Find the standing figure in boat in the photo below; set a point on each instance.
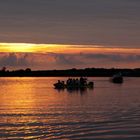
(83, 82)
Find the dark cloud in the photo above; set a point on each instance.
(13, 60)
(94, 60)
(114, 57)
(110, 57)
(106, 22)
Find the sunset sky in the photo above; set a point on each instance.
(61, 34)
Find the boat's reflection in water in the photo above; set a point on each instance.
(80, 91)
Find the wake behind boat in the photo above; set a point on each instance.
(74, 84)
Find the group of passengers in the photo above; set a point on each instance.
(74, 82)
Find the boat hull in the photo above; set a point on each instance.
(117, 80)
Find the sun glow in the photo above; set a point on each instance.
(61, 48)
(16, 47)
(29, 47)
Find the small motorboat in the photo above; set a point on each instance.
(117, 78)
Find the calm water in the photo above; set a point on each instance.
(31, 109)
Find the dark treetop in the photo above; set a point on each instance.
(70, 72)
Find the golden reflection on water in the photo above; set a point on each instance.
(26, 94)
(31, 109)
(20, 107)
(18, 95)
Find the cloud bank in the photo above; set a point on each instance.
(65, 61)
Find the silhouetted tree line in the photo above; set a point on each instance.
(101, 72)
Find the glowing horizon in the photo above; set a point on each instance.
(62, 56)
(62, 48)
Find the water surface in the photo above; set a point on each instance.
(30, 108)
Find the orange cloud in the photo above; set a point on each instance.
(68, 60)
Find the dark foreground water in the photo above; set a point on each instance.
(31, 109)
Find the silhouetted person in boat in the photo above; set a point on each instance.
(77, 83)
(61, 84)
(83, 81)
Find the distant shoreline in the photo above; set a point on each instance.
(87, 72)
